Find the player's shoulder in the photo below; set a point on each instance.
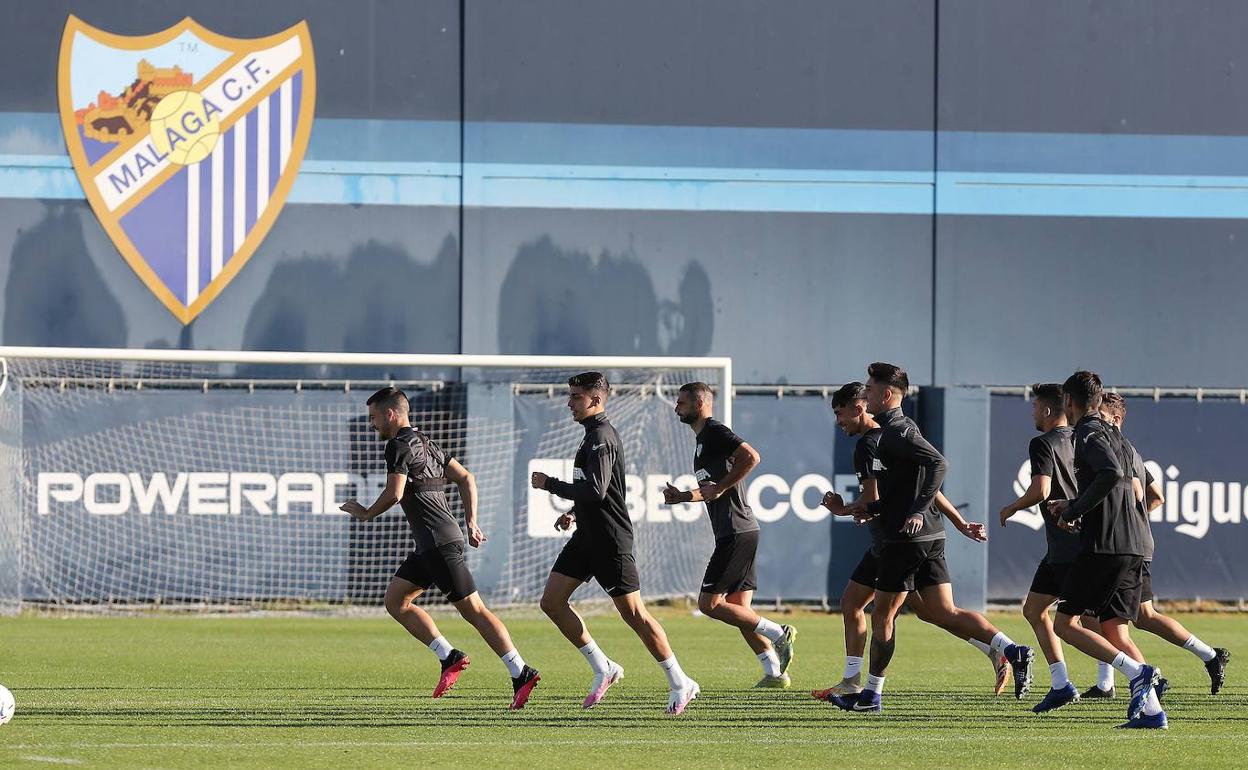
(396, 444)
(871, 439)
(902, 427)
(1062, 435)
(602, 435)
(1092, 431)
(717, 429)
(1044, 441)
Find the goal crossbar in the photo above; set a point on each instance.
(454, 360)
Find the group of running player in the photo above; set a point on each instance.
(1095, 492)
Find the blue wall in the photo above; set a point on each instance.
(703, 177)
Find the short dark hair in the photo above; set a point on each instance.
(389, 398)
(595, 381)
(1114, 403)
(850, 391)
(698, 389)
(1084, 388)
(890, 375)
(1048, 393)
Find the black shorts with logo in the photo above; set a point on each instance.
(443, 567)
(1049, 579)
(868, 568)
(1146, 582)
(731, 568)
(1105, 585)
(615, 572)
(910, 566)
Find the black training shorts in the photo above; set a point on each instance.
(1049, 579)
(615, 572)
(910, 566)
(1106, 585)
(443, 567)
(731, 568)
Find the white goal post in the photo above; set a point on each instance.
(202, 478)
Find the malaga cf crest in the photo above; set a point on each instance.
(187, 143)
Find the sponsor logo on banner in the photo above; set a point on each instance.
(770, 496)
(186, 143)
(202, 494)
(1193, 507)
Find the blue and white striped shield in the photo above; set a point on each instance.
(186, 143)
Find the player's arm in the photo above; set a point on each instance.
(914, 448)
(592, 489)
(398, 462)
(1101, 460)
(744, 459)
(1153, 498)
(866, 453)
(1037, 493)
(467, 485)
(1043, 466)
(972, 529)
(395, 483)
(836, 504)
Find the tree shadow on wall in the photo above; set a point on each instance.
(55, 294)
(379, 299)
(557, 302)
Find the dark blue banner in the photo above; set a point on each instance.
(1194, 447)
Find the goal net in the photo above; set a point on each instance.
(207, 479)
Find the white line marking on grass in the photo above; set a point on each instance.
(54, 760)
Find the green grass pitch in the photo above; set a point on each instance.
(300, 691)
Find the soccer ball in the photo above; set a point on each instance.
(7, 704)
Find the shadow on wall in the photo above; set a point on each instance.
(556, 302)
(378, 300)
(55, 294)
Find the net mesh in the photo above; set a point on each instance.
(176, 485)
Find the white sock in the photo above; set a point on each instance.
(1104, 676)
(675, 677)
(441, 647)
(853, 667)
(1152, 705)
(771, 663)
(1000, 642)
(1057, 672)
(985, 649)
(1129, 668)
(1199, 649)
(597, 658)
(513, 662)
(875, 683)
(769, 630)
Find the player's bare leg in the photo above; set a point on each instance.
(1113, 646)
(523, 677)
(883, 644)
(633, 611)
(1036, 611)
(492, 630)
(1001, 668)
(399, 597)
(1062, 690)
(735, 610)
(938, 605)
(556, 603)
(1166, 627)
(854, 601)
